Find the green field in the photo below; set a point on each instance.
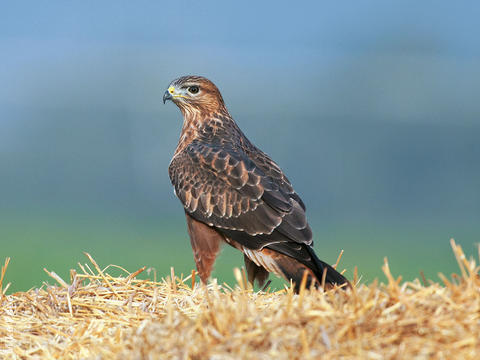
(58, 242)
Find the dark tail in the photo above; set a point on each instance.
(332, 275)
(305, 259)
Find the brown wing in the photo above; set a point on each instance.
(224, 188)
(272, 170)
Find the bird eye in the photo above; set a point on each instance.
(193, 89)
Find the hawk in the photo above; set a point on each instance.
(233, 192)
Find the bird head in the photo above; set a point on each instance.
(194, 93)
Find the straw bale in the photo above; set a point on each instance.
(97, 315)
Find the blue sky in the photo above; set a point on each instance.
(348, 76)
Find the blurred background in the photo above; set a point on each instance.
(371, 109)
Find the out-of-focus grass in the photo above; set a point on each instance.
(55, 242)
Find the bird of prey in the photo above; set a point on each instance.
(233, 192)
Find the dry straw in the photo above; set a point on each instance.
(96, 315)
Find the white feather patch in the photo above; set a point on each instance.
(265, 261)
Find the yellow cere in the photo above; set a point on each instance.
(171, 90)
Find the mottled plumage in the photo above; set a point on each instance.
(233, 192)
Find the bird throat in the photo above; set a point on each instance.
(198, 125)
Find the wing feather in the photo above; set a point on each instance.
(238, 191)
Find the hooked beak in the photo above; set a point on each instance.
(167, 96)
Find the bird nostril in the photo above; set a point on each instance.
(170, 89)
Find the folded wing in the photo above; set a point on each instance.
(246, 198)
